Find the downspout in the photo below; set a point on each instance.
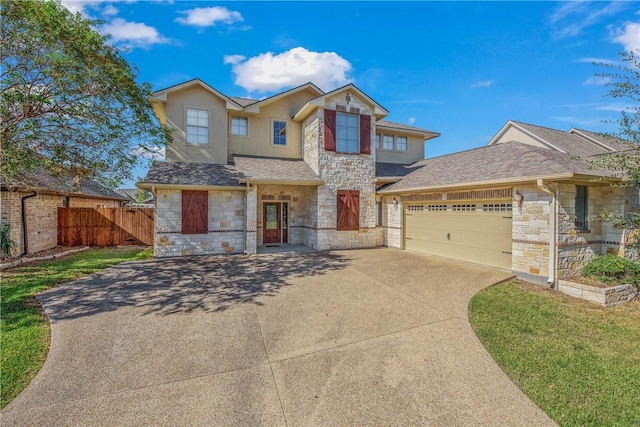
(553, 232)
(246, 217)
(23, 207)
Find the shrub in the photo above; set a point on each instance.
(613, 269)
(7, 245)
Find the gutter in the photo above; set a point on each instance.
(25, 238)
(244, 223)
(553, 232)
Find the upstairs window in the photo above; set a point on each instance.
(347, 133)
(401, 143)
(197, 126)
(377, 140)
(387, 142)
(582, 207)
(279, 132)
(348, 210)
(239, 126)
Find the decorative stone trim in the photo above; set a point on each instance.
(603, 296)
(530, 242)
(208, 231)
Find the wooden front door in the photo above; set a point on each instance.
(271, 222)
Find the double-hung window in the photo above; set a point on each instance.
(239, 126)
(197, 126)
(401, 143)
(347, 131)
(387, 142)
(279, 133)
(377, 140)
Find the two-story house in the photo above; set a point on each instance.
(295, 168)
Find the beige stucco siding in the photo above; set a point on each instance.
(514, 134)
(415, 149)
(199, 98)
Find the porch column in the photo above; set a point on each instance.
(251, 213)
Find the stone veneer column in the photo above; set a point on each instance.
(252, 223)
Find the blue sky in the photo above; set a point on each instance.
(462, 69)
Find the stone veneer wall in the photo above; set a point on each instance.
(299, 200)
(392, 222)
(251, 238)
(226, 233)
(530, 233)
(42, 217)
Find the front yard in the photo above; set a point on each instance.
(24, 329)
(576, 360)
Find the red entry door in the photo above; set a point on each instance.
(271, 222)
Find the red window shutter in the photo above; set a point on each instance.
(195, 212)
(348, 210)
(365, 134)
(330, 130)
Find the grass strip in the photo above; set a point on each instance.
(576, 360)
(24, 329)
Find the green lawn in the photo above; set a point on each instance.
(577, 361)
(24, 329)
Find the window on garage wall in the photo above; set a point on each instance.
(348, 210)
(195, 212)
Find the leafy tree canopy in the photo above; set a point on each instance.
(69, 102)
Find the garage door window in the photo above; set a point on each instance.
(463, 208)
(497, 207)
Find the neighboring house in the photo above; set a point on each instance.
(524, 202)
(31, 207)
(327, 171)
(298, 167)
(136, 197)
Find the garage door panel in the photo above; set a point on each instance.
(476, 236)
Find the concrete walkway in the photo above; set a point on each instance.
(362, 337)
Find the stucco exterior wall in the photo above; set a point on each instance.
(414, 152)
(226, 225)
(176, 110)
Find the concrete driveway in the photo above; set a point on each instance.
(362, 337)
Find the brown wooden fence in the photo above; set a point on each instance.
(105, 226)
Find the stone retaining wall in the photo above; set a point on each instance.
(603, 296)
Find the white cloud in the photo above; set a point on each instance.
(208, 16)
(571, 18)
(617, 107)
(629, 36)
(74, 6)
(577, 121)
(268, 72)
(109, 10)
(482, 83)
(132, 34)
(411, 120)
(597, 80)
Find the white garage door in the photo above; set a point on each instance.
(479, 232)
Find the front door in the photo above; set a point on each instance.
(271, 220)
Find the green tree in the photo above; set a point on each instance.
(69, 102)
(623, 81)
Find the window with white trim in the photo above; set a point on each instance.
(582, 207)
(377, 140)
(387, 142)
(197, 126)
(401, 143)
(279, 133)
(239, 126)
(347, 133)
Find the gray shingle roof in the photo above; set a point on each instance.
(273, 169)
(388, 170)
(565, 141)
(187, 173)
(615, 143)
(38, 180)
(394, 125)
(243, 102)
(500, 162)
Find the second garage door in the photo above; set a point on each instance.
(477, 232)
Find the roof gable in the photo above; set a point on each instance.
(161, 95)
(378, 109)
(255, 106)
